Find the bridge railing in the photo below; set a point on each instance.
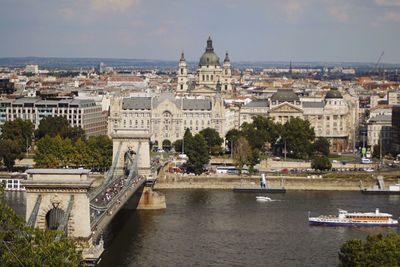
(112, 189)
(102, 208)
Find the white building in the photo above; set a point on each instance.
(33, 69)
(80, 113)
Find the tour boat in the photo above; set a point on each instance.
(263, 198)
(345, 218)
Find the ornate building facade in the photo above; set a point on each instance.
(167, 116)
(331, 116)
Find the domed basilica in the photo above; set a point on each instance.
(211, 77)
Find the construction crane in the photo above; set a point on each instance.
(377, 63)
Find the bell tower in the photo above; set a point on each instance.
(182, 86)
(226, 80)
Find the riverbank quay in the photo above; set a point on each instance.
(342, 182)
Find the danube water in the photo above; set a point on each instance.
(222, 228)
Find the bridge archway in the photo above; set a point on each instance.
(54, 218)
(131, 140)
(166, 145)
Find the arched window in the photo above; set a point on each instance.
(181, 86)
(212, 77)
(181, 71)
(203, 78)
(207, 78)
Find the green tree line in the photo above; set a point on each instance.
(296, 136)
(57, 144)
(376, 250)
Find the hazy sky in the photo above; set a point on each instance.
(251, 30)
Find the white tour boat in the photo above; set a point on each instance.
(345, 218)
(263, 198)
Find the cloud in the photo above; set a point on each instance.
(387, 2)
(115, 5)
(391, 16)
(294, 9)
(339, 13)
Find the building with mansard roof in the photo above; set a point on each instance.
(331, 116)
(167, 116)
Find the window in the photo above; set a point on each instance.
(181, 71)
(181, 86)
(226, 87)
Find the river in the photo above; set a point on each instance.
(222, 228)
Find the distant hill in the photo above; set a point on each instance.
(120, 63)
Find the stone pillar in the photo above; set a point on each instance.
(56, 186)
(151, 200)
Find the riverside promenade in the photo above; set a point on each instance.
(343, 182)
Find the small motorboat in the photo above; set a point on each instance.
(263, 198)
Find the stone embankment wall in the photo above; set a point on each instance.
(289, 182)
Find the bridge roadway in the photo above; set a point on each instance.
(106, 203)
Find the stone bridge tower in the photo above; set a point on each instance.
(57, 199)
(136, 142)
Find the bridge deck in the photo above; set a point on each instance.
(109, 201)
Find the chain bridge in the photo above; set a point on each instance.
(65, 199)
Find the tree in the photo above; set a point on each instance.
(376, 151)
(377, 250)
(261, 131)
(214, 141)
(232, 136)
(197, 151)
(100, 152)
(321, 163)
(241, 153)
(56, 152)
(178, 145)
(24, 246)
(9, 152)
(321, 146)
(299, 137)
(19, 131)
(54, 126)
(48, 153)
(254, 160)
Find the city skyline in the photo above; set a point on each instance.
(308, 30)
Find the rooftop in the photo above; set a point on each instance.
(283, 95)
(258, 104)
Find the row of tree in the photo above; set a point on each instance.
(57, 152)
(295, 138)
(58, 144)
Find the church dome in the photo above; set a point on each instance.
(333, 93)
(285, 95)
(209, 57)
